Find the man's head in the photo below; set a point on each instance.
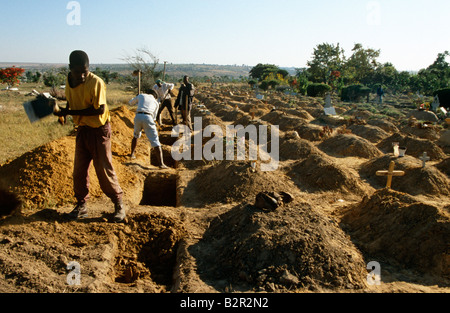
(186, 79)
(79, 66)
(159, 82)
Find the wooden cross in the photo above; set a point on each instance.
(390, 173)
(252, 112)
(424, 159)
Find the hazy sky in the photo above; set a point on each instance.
(409, 33)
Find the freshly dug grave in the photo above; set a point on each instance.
(296, 149)
(414, 146)
(417, 180)
(9, 203)
(398, 227)
(137, 257)
(387, 126)
(284, 121)
(347, 145)
(429, 133)
(294, 247)
(372, 133)
(321, 173)
(148, 247)
(444, 166)
(234, 181)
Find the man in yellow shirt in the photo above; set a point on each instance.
(86, 102)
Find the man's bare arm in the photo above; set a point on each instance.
(86, 112)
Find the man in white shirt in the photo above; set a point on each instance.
(147, 109)
(165, 100)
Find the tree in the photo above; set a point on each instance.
(326, 59)
(10, 75)
(145, 62)
(261, 71)
(434, 77)
(361, 66)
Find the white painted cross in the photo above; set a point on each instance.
(390, 173)
(424, 159)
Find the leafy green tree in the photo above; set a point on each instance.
(434, 77)
(361, 66)
(262, 71)
(326, 59)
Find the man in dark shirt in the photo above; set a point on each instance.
(184, 101)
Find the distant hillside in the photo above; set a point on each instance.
(193, 70)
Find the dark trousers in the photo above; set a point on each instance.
(93, 145)
(166, 104)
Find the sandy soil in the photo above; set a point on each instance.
(196, 227)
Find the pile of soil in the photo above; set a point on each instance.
(43, 176)
(319, 172)
(444, 166)
(387, 126)
(296, 149)
(234, 181)
(429, 133)
(347, 145)
(372, 133)
(284, 121)
(301, 114)
(294, 247)
(417, 180)
(397, 227)
(310, 132)
(415, 146)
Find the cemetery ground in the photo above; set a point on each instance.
(201, 226)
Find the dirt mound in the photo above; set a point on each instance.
(349, 145)
(444, 166)
(372, 133)
(417, 180)
(415, 146)
(396, 226)
(234, 181)
(321, 173)
(43, 176)
(284, 121)
(291, 248)
(310, 132)
(384, 125)
(296, 149)
(429, 133)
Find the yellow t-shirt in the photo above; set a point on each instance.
(91, 93)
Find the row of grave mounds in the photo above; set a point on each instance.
(394, 226)
(418, 180)
(294, 248)
(415, 146)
